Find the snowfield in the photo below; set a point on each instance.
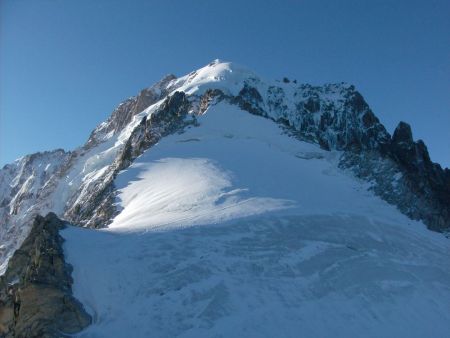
(235, 229)
(292, 276)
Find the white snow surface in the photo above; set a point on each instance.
(235, 229)
(226, 76)
(93, 164)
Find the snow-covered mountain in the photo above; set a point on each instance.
(230, 205)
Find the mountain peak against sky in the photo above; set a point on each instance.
(230, 77)
(346, 47)
(224, 169)
(218, 74)
(334, 116)
(256, 184)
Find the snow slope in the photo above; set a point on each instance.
(78, 185)
(235, 229)
(235, 164)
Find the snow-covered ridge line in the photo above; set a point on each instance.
(232, 229)
(335, 116)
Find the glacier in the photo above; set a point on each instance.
(222, 204)
(234, 229)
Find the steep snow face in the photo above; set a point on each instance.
(189, 178)
(234, 164)
(98, 160)
(335, 116)
(233, 229)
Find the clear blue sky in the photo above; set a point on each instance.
(65, 65)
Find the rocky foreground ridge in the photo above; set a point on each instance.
(35, 291)
(79, 185)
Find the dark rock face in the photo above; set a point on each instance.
(171, 117)
(23, 185)
(339, 125)
(402, 145)
(250, 99)
(211, 97)
(399, 168)
(426, 179)
(35, 292)
(97, 210)
(123, 114)
(402, 174)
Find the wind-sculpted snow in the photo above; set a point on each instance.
(182, 192)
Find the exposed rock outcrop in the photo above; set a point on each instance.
(403, 174)
(124, 113)
(399, 169)
(23, 185)
(35, 292)
(78, 186)
(427, 180)
(97, 208)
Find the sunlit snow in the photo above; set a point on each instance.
(235, 229)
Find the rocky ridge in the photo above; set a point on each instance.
(335, 116)
(35, 291)
(24, 184)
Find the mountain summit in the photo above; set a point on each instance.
(230, 205)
